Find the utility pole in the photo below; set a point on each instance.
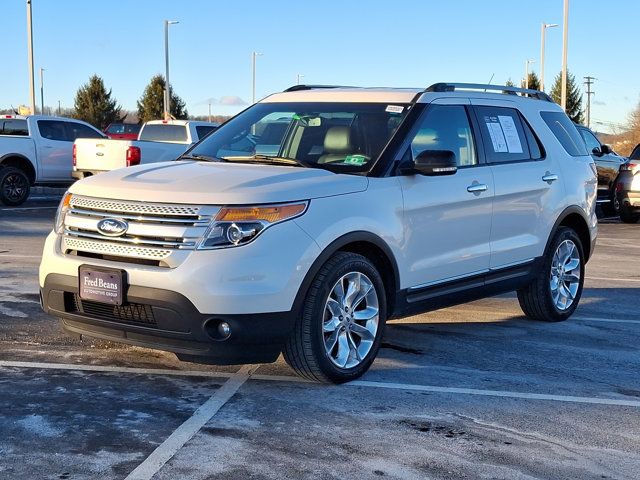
(209, 111)
(542, 47)
(526, 73)
(588, 81)
(253, 74)
(300, 76)
(565, 41)
(32, 91)
(42, 90)
(167, 87)
(59, 109)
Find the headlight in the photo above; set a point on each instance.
(239, 225)
(62, 210)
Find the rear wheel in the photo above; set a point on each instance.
(628, 215)
(554, 294)
(340, 329)
(14, 186)
(612, 207)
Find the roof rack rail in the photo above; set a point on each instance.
(452, 87)
(297, 88)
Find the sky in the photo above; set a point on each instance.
(403, 43)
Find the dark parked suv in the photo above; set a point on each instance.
(608, 164)
(628, 188)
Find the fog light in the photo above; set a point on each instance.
(224, 330)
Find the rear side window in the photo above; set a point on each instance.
(204, 130)
(52, 130)
(635, 155)
(158, 132)
(505, 137)
(14, 126)
(566, 133)
(78, 130)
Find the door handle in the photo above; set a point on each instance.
(549, 177)
(477, 188)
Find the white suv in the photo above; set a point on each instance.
(312, 217)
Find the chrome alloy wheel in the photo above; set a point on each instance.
(565, 275)
(350, 320)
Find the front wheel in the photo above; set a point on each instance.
(627, 215)
(14, 186)
(554, 294)
(340, 329)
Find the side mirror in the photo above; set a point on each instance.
(606, 149)
(435, 162)
(597, 152)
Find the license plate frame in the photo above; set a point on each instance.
(103, 285)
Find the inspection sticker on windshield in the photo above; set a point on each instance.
(394, 109)
(355, 159)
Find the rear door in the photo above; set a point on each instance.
(528, 190)
(54, 150)
(447, 218)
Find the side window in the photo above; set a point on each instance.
(566, 133)
(635, 155)
(203, 131)
(78, 130)
(590, 140)
(52, 130)
(446, 127)
(504, 135)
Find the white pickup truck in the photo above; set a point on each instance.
(158, 141)
(37, 150)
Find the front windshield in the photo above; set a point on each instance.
(345, 137)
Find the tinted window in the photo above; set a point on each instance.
(590, 140)
(121, 128)
(78, 130)
(566, 133)
(158, 132)
(504, 135)
(635, 155)
(53, 130)
(14, 126)
(446, 128)
(204, 130)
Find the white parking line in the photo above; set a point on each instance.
(498, 393)
(17, 209)
(614, 279)
(603, 320)
(167, 449)
(356, 383)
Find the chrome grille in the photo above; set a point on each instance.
(156, 231)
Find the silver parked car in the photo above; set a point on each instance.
(628, 188)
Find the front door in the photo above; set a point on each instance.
(448, 217)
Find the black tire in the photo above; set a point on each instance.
(627, 215)
(536, 299)
(611, 208)
(14, 186)
(305, 349)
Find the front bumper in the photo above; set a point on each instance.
(166, 320)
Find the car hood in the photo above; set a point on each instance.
(218, 183)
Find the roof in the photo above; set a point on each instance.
(181, 122)
(346, 94)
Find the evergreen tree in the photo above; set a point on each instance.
(151, 104)
(94, 104)
(509, 83)
(534, 82)
(574, 97)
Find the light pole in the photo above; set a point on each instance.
(565, 41)
(543, 31)
(167, 88)
(526, 72)
(42, 90)
(32, 91)
(300, 76)
(253, 65)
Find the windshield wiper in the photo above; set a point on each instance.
(268, 159)
(200, 158)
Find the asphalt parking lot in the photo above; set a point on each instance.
(473, 391)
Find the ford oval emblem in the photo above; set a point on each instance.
(112, 227)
